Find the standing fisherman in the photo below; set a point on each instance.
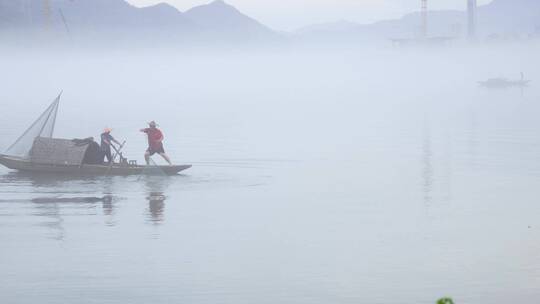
(155, 143)
(106, 142)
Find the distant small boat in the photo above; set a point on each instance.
(36, 151)
(501, 83)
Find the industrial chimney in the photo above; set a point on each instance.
(424, 14)
(471, 12)
(46, 14)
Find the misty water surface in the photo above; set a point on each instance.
(357, 176)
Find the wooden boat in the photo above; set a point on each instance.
(501, 83)
(36, 151)
(26, 165)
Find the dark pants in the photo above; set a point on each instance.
(156, 149)
(107, 154)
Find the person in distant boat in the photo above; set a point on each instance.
(106, 142)
(155, 143)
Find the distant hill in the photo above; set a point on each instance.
(221, 22)
(117, 18)
(220, 16)
(497, 17)
(509, 16)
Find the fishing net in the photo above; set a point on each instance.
(42, 127)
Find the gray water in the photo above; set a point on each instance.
(357, 176)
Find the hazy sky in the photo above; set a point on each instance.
(292, 14)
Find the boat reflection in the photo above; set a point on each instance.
(51, 217)
(108, 206)
(155, 191)
(156, 206)
(427, 170)
(53, 196)
(45, 180)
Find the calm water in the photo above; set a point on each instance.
(352, 177)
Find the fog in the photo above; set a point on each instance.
(284, 99)
(322, 174)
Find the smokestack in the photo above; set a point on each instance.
(424, 19)
(471, 12)
(46, 14)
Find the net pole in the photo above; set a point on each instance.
(55, 113)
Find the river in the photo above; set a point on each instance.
(360, 176)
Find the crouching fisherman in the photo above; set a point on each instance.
(155, 143)
(106, 143)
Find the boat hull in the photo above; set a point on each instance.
(24, 165)
(503, 84)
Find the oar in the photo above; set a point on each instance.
(117, 151)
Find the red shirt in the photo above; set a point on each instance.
(154, 137)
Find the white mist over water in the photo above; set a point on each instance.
(354, 176)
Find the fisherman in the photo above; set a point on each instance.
(106, 143)
(155, 143)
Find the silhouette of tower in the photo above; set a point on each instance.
(46, 14)
(424, 14)
(471, 13)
